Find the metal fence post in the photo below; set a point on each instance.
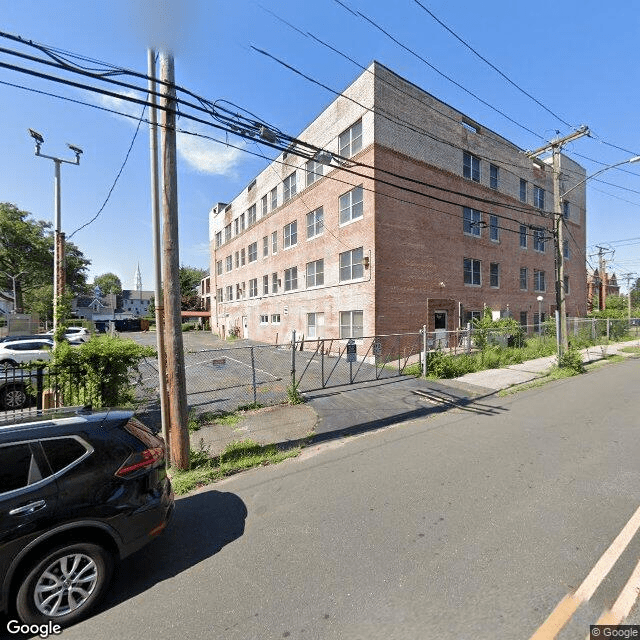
(293, 359)
(608, 324)
(399, 369)
(424, 350)
(322, 364)
(253, 376)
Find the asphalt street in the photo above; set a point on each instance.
(460, 524)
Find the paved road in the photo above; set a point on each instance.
(463, 524)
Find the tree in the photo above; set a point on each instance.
(26, 248)
(190, 278)
(108, 283)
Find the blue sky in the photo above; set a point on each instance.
(576, 57)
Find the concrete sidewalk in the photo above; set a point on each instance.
(340, 411)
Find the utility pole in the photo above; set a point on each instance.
(628, 277)
(13, 280)
(157, 250)
(176, 380)
(555, 146)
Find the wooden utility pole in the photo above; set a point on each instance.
(628, 277)
(176, 380)
(555, 146)
(157, 251)
(602, 277)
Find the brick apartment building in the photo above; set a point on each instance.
(446, 218)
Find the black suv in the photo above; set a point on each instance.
(78, 491)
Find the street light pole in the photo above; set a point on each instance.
(13, 281)
(58, 246)
(539, 299)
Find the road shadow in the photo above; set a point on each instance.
(202, 524)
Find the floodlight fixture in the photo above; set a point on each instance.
(76, 150)
(36, 136)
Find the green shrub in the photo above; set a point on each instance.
(572, 359)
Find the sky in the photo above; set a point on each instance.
(577, 60)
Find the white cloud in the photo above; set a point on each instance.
(124, 107)
(208, 156)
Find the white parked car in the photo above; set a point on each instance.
(74, 335)
(15, 352)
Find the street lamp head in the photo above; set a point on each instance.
(539, 298)
(36, 136)
(76, 150)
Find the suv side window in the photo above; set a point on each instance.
(61, 452)
(18, 467)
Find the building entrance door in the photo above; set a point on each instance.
(440, 327)
(245, 327)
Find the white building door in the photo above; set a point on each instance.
(245, 327)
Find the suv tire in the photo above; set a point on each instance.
(64, 585)
(13, 396)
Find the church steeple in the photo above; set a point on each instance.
(138, 280)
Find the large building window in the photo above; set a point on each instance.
(315, 221)
(219, 267)
(350, 141)
(218, 239)
(314, 171)
(289, 187)
(290, 234)
(274, 198)
(253, 252)
(229, 263)
(351, 324)
(538, 280)
(471, 270)
(493, 176)
(274, 242)
(523, 236)
(227, 233)
(315, 273)
(351, 264)
(253, 287)
(524, 278)
(471, 166)
(264, 205)
(265, 246)
(538, 240)
(351, 207)
(523, 190)
(274, 282)
(538, 197)
(291, 279)
(494, 274)
(471, 219)
(229, 293)
(565, 249)
(494, 229)
(252, 214)
(265, 285)
(315, 325)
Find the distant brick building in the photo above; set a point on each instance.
(595, 285)
(446, 218)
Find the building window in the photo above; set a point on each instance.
(351, 265)
(290, 235)
(471, 219)
(274, 283)
(219, 297)
(315, 323)
(264, 319)
(566, 285)
(274, 242)
(291, 279)
(524, 278)
(227, 233)
(538, 281)
(229, 295)
(239, 291)
(253, 252)
(565, 209)
(264, 202)
(471, 270)
(315, 273)
(218, 239)
(538, 197)
(275, 318)
(314, 171)
(523, 236)
(315, 220)
(494, 274)
(237, 259)
(243, 257)
(565, 249)
(289, 187)
(523, 190)
(265, 285)
(252, 214)
(494, 230)
(274, 198)
(350, 141)
(351, 324)
(219, 267)
(351, 205)
(229, 263)
(265, 246)
(471, 166)
(243, 219)
(538, 240)
(523, 318)
(253, 287)
(493, 176)
(470, 316)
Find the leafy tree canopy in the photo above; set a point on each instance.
(190, 278)
(108, 283)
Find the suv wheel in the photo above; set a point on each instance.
(65, 584)
(13, 397)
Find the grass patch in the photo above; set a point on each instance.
(555, 373)
(236, 457)
(630, 349)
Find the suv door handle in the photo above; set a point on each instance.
(27, 508)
